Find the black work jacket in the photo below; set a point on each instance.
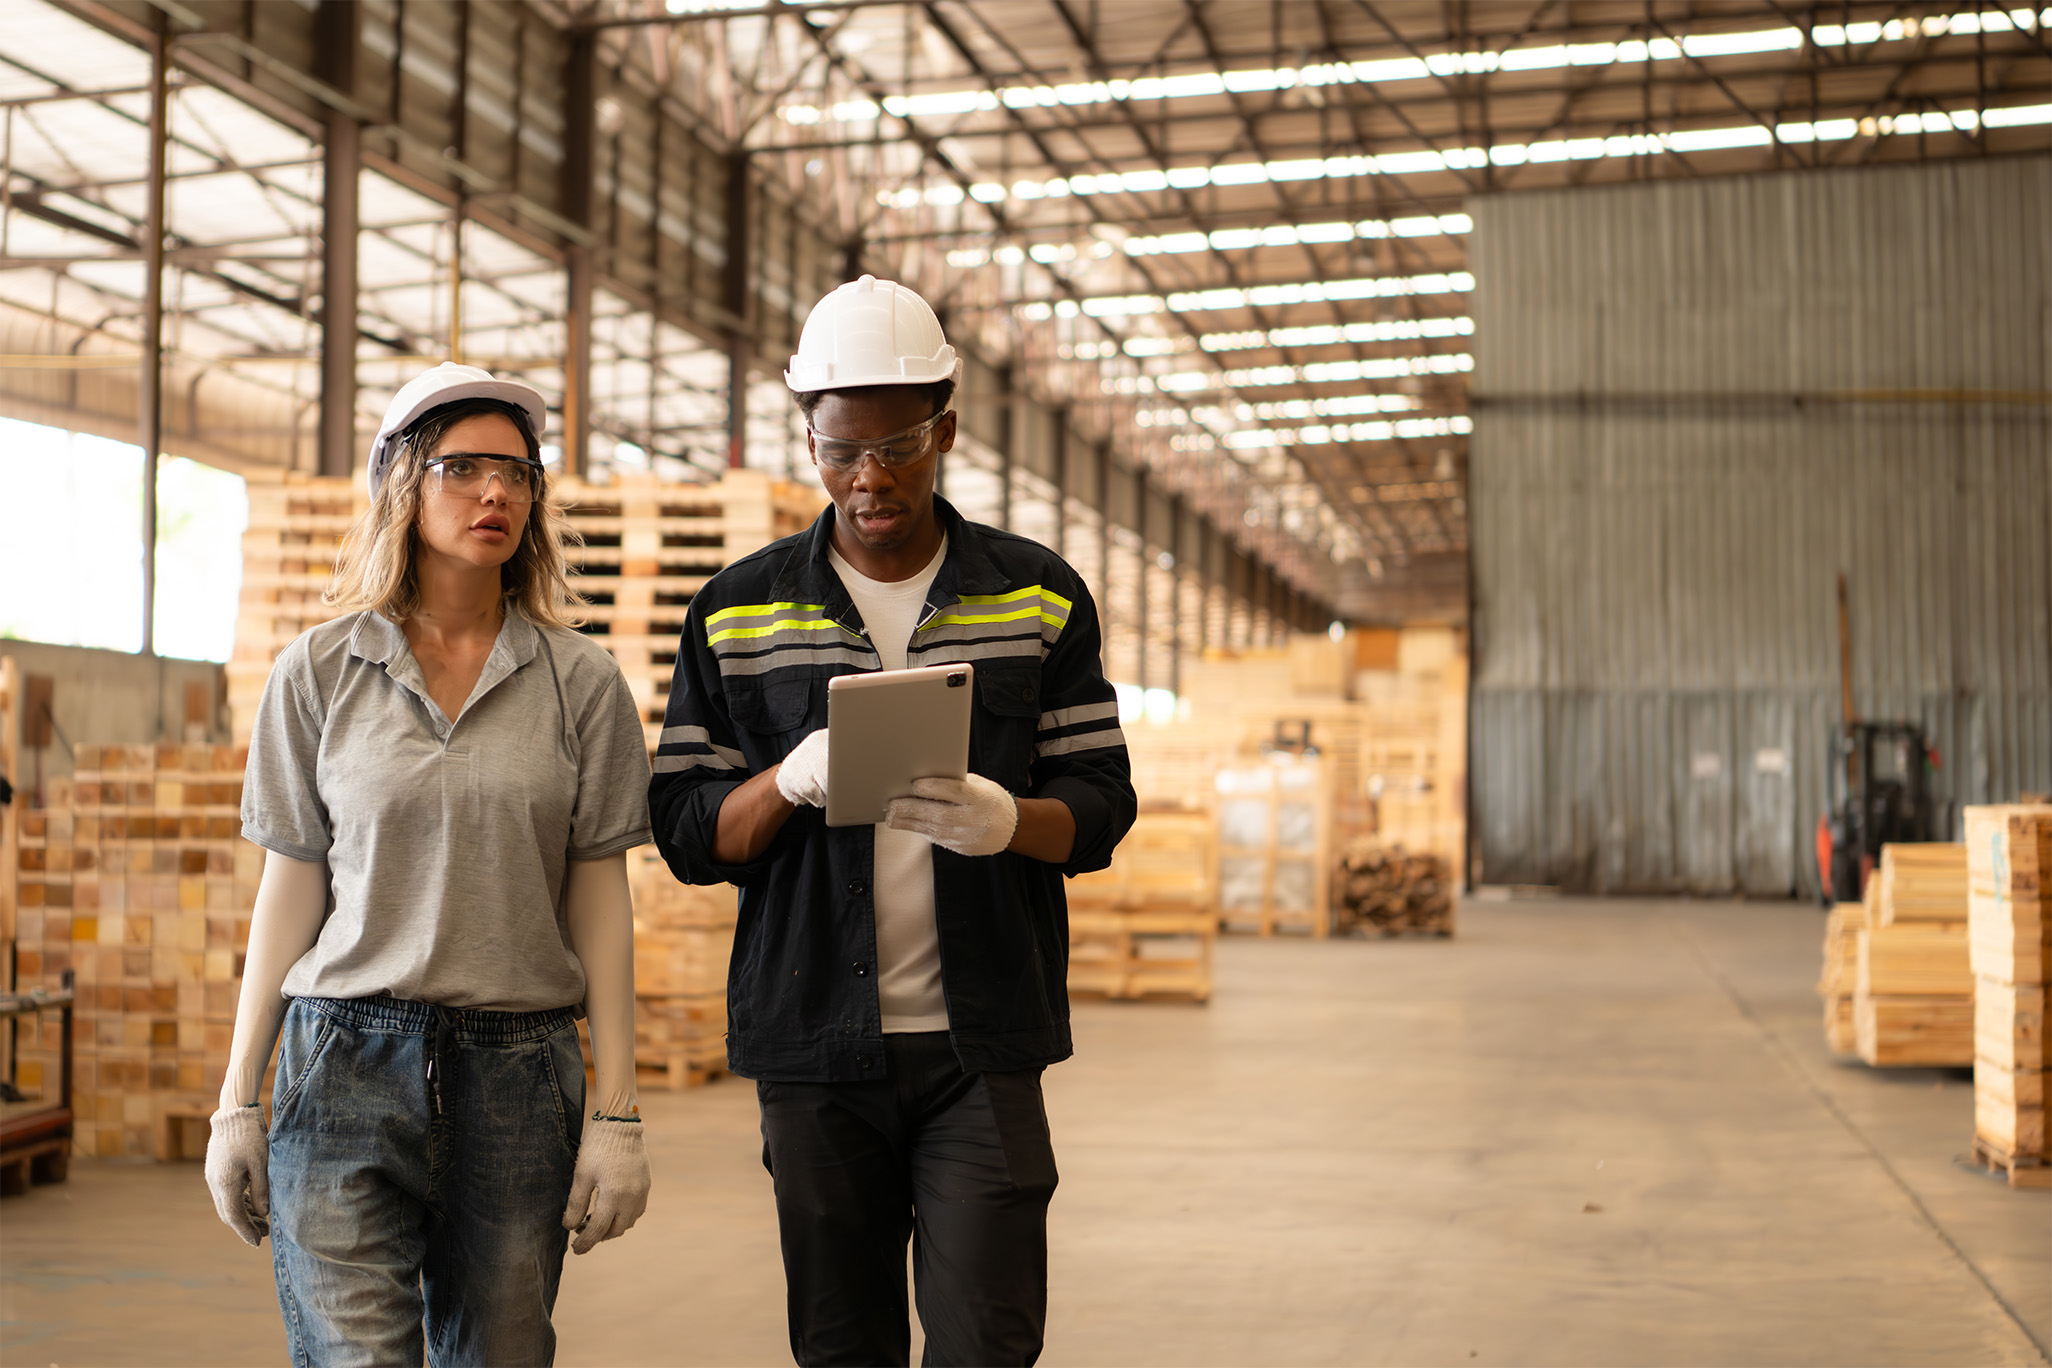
(759, 645)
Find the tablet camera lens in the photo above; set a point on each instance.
(956, 681)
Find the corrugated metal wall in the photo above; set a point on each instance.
(1697, 403)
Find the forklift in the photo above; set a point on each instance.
(1876, 788)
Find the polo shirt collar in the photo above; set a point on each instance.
(380, 641)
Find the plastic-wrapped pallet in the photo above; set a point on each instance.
(2009, 864)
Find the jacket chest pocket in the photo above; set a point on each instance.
(1004, 727)
(779, 709)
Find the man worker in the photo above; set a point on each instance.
(896, 990)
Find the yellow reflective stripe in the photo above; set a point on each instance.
(781, 625)
(963, 620)
(758, 609)
(1018, 594)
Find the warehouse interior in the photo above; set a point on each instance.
(1540, 466)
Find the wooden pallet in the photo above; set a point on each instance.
(1275, 847)
(2020, 1170)
(1142, 954)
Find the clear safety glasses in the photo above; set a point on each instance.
(467, 476)
(892, 452)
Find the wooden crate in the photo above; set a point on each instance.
(1915, 959)
(2009, 872)
(1839, 981)
(1925, 882)
(135, 877)
(1275, 846)
(1914, 1031)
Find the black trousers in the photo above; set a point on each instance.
(959, 1163)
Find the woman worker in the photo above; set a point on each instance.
(445, 780)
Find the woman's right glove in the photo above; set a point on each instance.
(238, 1171)
(803, 775)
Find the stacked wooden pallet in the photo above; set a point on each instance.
(135, 877)
(1913, 999)
(646, 547)
(296, 526)
(1144, 927)
(2009, 862)
(1843, 929)
(683, 940)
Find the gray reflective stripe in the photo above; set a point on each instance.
(1081, 741)
(947, 649)
(1036, 632)
(675, 735)
(730, 755)
(672, 764)
(1081, 713)
(784, 657)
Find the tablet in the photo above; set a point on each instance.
(886, 729)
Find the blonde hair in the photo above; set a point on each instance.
(375, 567)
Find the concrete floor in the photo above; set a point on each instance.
(1584, 1132)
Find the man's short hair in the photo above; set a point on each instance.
(938, 394)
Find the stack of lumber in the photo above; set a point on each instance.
(1382, 889)
(1144, 927)
(135, 877)
(1913, 999)
(647, 546)
(683, 940)
(2009, 863)
(1843, 928)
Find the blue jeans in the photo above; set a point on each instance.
(420, 1161)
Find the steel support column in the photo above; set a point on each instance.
(1140, 580)
(738, 299)
(1059, 459)
(1008, 425)
(339, 28)
(150, 390)
(580, 108)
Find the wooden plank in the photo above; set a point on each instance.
(1898, 1031)
(1915, 959)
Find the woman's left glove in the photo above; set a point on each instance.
(609, 1190)
(973, 816)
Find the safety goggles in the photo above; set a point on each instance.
(899, 449)
(467, 476)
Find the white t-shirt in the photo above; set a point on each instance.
(908, 967)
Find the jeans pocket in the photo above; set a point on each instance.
(562, 1062)
(300, 1047)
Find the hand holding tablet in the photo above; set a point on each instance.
(889, 728)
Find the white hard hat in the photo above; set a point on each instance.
(445, 384)
(870, 332)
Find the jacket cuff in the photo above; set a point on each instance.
(1094, 834)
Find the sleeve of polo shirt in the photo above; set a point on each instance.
(612, 775)
(281, 795)
(1079, 752)
(697, 764)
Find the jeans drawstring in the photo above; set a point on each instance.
(444, 1044)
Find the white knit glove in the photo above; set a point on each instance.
(609, 1189)
(802, 776)
(238, 1171)
(973, 816)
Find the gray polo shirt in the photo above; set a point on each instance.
(447, 843)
